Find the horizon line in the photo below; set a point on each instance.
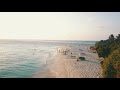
(50, 40)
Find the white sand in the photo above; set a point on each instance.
(63, 66)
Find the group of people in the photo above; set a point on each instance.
(66, 50)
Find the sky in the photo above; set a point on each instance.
(59, 25)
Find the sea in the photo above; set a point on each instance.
(24, 58)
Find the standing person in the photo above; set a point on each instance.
(71, 54)
(58, 50)
(65, 52)
(79, 54)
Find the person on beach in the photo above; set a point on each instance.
(58, 50)
(77, 60)
(71, 54)
(65, 52)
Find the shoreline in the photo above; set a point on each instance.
(63, 66)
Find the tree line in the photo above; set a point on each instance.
(110, 50)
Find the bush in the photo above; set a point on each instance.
(111, 65)
(110, 50)
(82, 58)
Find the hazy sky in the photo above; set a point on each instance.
(59, 25)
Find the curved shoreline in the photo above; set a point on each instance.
(63, 66)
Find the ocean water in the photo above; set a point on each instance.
(24, 58)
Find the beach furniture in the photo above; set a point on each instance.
(72, 55)
(83, 54)
(80, 49)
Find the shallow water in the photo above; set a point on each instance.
(22, 59)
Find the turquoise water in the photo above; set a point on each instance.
(22, 59)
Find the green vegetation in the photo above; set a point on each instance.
(111, 65)
(110, 50)
(82, 58)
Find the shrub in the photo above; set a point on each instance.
(82, 58)
(111, 65)
(110, 50)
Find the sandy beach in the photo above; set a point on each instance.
(64, 66)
